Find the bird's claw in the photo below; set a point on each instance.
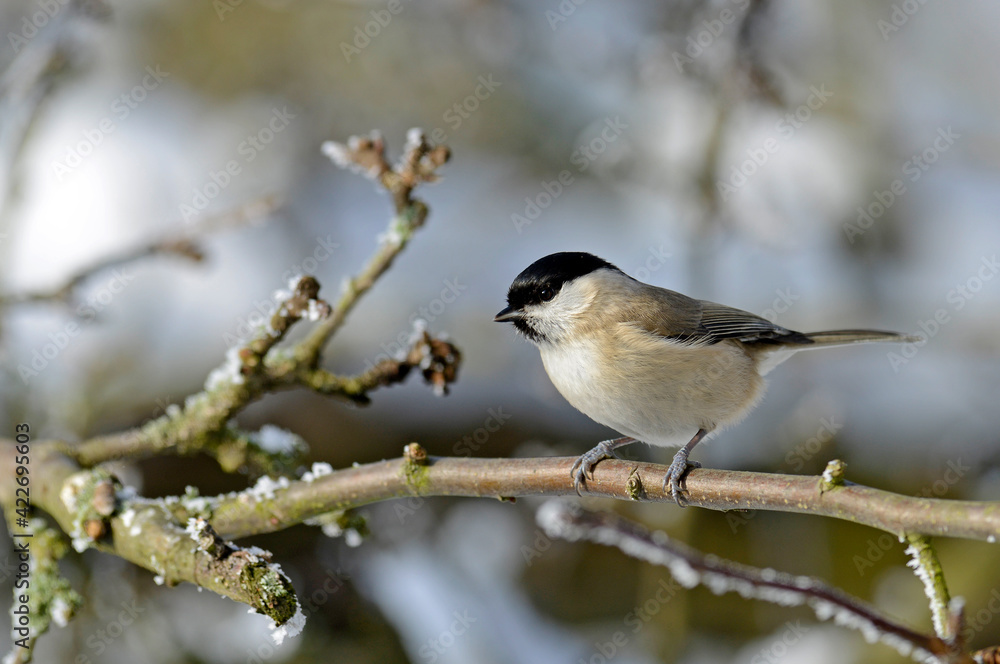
(583, 467)
(678, 468)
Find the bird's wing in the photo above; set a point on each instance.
(701, 322)
(724, 322)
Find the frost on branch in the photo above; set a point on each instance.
(924, 564)
(366, 155)
(691, 567)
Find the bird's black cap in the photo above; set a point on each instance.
(545, 277)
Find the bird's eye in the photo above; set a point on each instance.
(546, 294)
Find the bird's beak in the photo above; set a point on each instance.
(507, 315)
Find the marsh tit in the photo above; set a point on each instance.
(652, 364)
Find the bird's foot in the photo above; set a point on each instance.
(675, 475)
(583, 468)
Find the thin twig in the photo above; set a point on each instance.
(691, 567)
(925, 564)
(184, 245)
(257, 366)
(419, 163)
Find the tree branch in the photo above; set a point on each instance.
(366, 155)
(98, 513)
(146, 532)
(691, 568)
(259, 366)
(236, 517)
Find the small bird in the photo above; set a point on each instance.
(655, 365)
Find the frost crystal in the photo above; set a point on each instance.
(927, 578)
(689, 567)
(414, 137)
(196, 503)
(291, 628)
(275, 440)
(337, 153)
(60, 612)
(265, 487)
(550, 518)
(71, 489)
(318, 470)
(392, 237)
(231, 371)
(353, 538)
(315, 311)
(258, 553)
(195, 527)
(828, 475)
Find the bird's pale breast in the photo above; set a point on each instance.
(651, 388)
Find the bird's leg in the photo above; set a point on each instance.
(680, 466)
(584, 466)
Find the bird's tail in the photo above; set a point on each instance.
(773, 358)
(844, 337)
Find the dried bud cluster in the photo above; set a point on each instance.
(438, 361)
(366, 155)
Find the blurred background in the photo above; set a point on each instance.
(825, 165)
